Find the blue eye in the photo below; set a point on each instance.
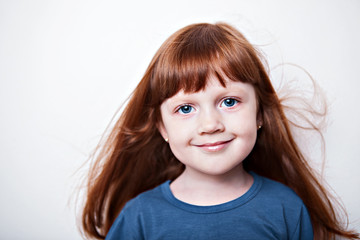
(229, 102)
(186, 109)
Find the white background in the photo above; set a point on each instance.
(66, 67)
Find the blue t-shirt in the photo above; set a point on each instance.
(268, 210)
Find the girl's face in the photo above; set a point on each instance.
(211, 131)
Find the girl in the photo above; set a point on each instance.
(203, 150)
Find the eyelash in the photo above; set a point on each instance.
(180, 109)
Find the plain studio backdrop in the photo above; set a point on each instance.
(66, 67)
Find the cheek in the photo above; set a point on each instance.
(244, 123)
(177, 132)
(180, 136)
(180, 149)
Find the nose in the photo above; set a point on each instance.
(210, 121)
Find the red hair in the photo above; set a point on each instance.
(134, 158)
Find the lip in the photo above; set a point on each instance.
(214, 147)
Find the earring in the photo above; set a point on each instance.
(259, 126)
(166, 140)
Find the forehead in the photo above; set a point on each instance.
(215, 87)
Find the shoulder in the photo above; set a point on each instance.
(275, 191)
(145, 203)
(149, 201)
(130, 222)
(281, 202)
(279, 196)
(151, 196)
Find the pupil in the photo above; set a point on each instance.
(186, 109)
(229, 102)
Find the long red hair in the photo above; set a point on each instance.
(134, 157)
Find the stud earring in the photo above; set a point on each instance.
(259, 126)
(166, 140)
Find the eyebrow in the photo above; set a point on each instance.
(183, 98)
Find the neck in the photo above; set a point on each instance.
(202, 189)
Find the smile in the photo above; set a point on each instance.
(214, 147)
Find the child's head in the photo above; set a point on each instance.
(185, 63)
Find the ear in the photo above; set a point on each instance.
(160, 126)
(259, 119)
